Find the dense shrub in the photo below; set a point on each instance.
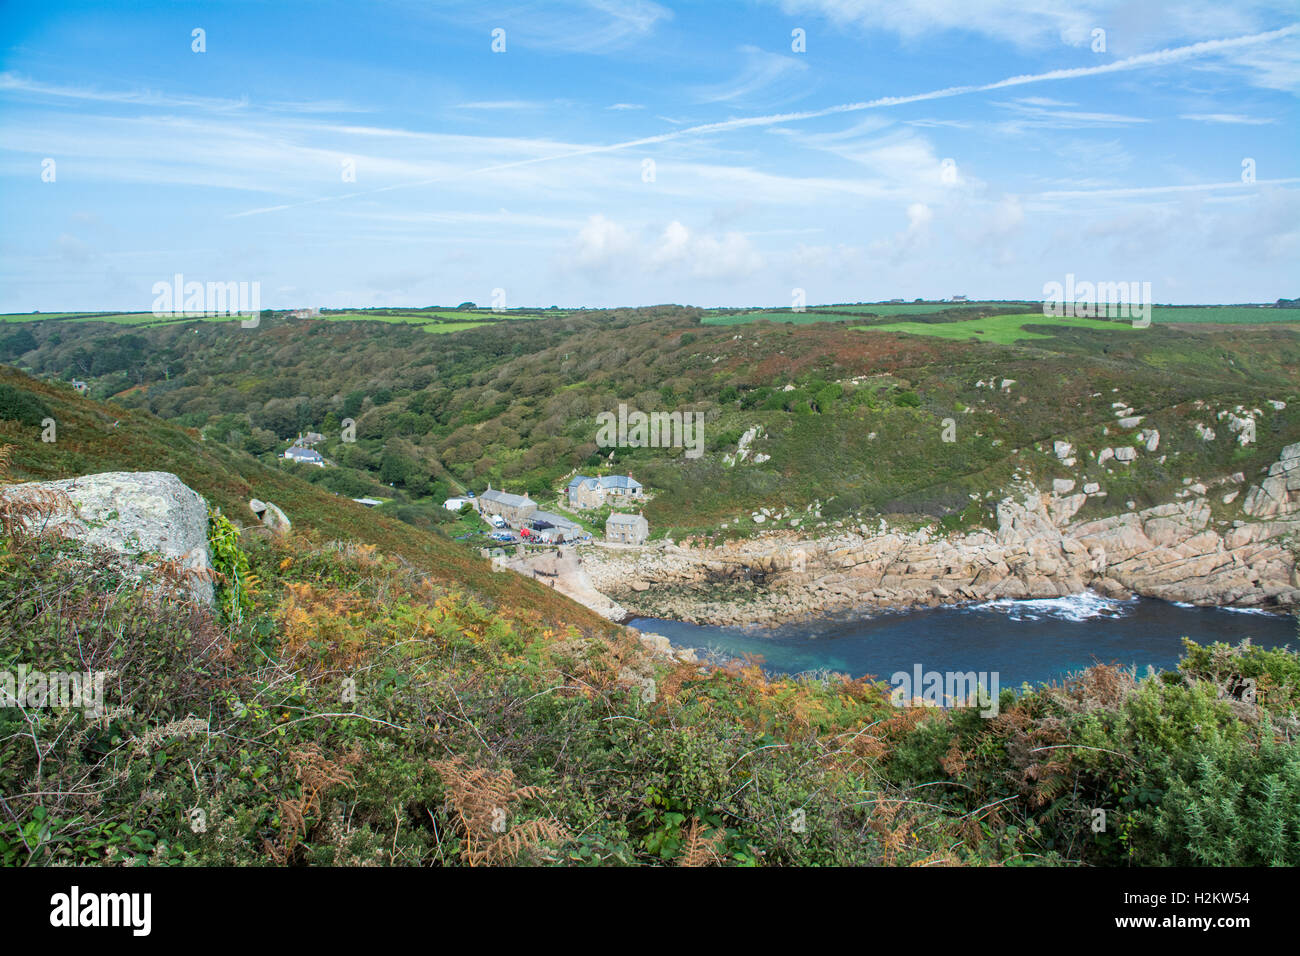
(355, 714)
(21, 406)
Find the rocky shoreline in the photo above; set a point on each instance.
(1174, 551)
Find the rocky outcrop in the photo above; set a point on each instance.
(1279, 494)
(136, 514)
(270, 515)
(1173, 551)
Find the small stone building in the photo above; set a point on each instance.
(627, 529)
(553, 528)
(516, 510)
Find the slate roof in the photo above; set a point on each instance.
(605, 481)
(558, 521)
(504, 498)
(624, 519)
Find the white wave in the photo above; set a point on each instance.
(1086, 606)
(1250, 610)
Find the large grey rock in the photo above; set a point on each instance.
(132, 513)
(270, 515)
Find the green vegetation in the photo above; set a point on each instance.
(950, 311)
(365, 686)
(358, 714)
(20, 405)
(1002, 329)
(852, 420)
(94, 437)
(234, 579)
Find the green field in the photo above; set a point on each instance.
(841, 313)
(1225, 314)
(914, 308)
(441, 321)
(33, 316)
(1003, 329)
(1163, 314)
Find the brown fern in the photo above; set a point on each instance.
(316, 775)
(700, 850)
(33, 512)
(480, 799)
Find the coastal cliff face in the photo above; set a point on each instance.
(1174, 551)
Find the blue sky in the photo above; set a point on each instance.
(912, 149)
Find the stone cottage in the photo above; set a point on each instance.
(514, 509)
(586, 492)
(627, 529)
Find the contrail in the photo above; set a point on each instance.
(1140, 61)
(1158, 190)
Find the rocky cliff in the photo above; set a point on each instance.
(1174, 551)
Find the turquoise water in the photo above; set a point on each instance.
(1031, 641)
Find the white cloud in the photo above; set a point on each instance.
(760, 71)
(1229, 118)
(502, 105)
(1039, 117)
(568, 26)
(1049, 23)
(602, 244)
(603, 247)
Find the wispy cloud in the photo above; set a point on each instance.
(34, 89)
(567, 26)
(761, 70)
(1161, 190)
(1141, 61)
(1231, 118)
(12, 83)
(1040, 117)
(502, 105)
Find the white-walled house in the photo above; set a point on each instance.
(308, 456)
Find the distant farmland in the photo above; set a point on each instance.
(961, 312)
(431, 320)
(1002, 329)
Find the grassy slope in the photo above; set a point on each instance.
(89, 443)
(1003, 329)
